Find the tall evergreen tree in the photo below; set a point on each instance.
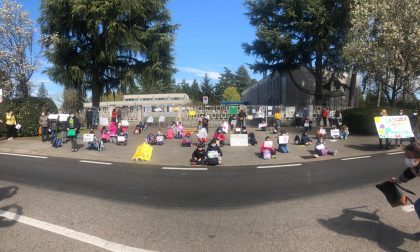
(42, 91)
(299, 34)
(243, 80)
(207, 89)
(226, 80)
(185, 87)
(196, 94)
(101, 44)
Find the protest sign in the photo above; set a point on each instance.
(53, 116)
(283, 139)
(268, 144)
(63, 117)
(238, 140)
(335, 133)
(103, 121)
(150, 119)
(88, 138)
(393, 127)
(161, 119)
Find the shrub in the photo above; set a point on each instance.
(360, 120)
(27, 112)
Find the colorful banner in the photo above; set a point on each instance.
(393, 127)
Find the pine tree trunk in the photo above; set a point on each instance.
(352, 88)
(96, 91)
(318, 79)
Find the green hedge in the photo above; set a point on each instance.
(27, 112)
(360, 121)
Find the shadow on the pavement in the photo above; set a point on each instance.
(365, 147)
(4, 222)
(5, 193)
(8, 192)
(369, 226)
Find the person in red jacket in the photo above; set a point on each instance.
(114, 115)
(220, 137)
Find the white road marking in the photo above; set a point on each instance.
(344, 159)
(277, 166)
(95, 162)
(395, 153)
(184, 169)
(93, 240)
(21, 155)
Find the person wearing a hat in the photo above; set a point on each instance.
(199, 155)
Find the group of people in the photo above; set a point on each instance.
(385, 143)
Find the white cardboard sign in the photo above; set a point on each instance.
(53, 116)
(103, 121)
(150, 119)
(335, 132)
(63, 117)
(88, 138)
(238, 140)
(268, 144)
(283, 139)
(161, 119)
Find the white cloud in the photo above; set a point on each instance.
(199, 72)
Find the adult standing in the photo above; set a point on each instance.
(331, 116)
(205, 123)
(73, 126)
(89, 119)
(241, 118)
(400, 140)
(337, 118)
(114, 115)
(95, 117)
(277, 117)
(298, 118)
(414, 125)
(11, 125)
(43, 123)
(324, 115)
(387, 140)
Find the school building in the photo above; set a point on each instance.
(278, 89)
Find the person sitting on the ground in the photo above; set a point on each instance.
(151, 138)
(137, 130)
(179, 131)
(113, 132)
(160, 138)
(105, 136)
(283, 146)
(307, 125)
(169, 132)
(202, 135)
(186, 140)
(225, 127)
(322, 150)
(95, 144)
(220, 137)
(243, 130)
(267, 150)
(199, 155)
(344, 132)
(252, 140)
(333, 127)
(321, 132)
(305, 139)
(213, 154)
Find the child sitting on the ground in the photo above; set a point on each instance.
(267, 150)
(322, 150)
(186, 140)
(137, 130)
(213, 154)
(179, 131)
(113, 132)
(252, 140)
(169, 132)
(321, 132)
(151, 138)
(160, 138)
(199, 155)
(220, 137)
(283, 139)
(243, 130)
(104, 134)
(202, 135)
(344, 131)
(305, 139)
(95, 144)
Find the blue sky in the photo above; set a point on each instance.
(209, 39)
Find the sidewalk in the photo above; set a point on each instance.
(171, 154)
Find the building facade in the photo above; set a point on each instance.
(278, 89)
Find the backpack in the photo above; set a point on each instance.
(297, 140)
(57, 142)
(266, 154)
(151, 139)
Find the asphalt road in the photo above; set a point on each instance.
(311, 207)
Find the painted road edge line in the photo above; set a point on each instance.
(94, 162)
(395, 153)
(277, 166)
(90, 239)
(344, 159)
(185, 169)
(22, 155)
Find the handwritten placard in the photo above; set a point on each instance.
(103, 121)
(335, 132)
(393, 127)
(283, 139)
(268, 144)
(63, 117)
(150, 119)
(88, 138)
(238, 140)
